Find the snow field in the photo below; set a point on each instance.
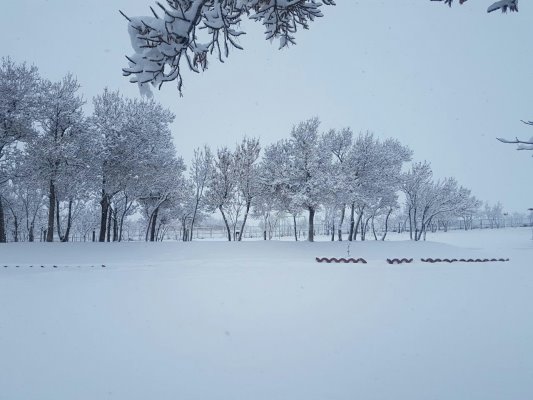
(263, 320)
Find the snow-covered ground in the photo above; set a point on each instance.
(263, 320)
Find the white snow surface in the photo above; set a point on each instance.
(263, 320)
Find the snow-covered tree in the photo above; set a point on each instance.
(19, 105)
(494, 214)
(468, 207)
(415, 183)
(57, 152)
(379, 170)
(339, 143)
(246, 168)
(276, 193)
(199, 174)
(296, 171)
(372, 172)
(428, 201)
(221, 189)
(163, 191)
(133, 143)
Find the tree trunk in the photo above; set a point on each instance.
(415, 225)
(352, 222)
(3, 238)
(248, 204)
(115, 224)
(333, 233)
(123, 217)
(104, 203)
(339, 232)
(410, 224)
(159, 226)
(120, 228)
(374, 229)
(154, 224)
(356, 229)
(31, 234)
(193, 219)
(225, 222)
(386, 224)
(147, 233)
(69, 222)
(58, 221)
(364, 228)
(295, 227)
(311, 232)
(16, 226)
(185, 236)
(51, 212)
(108, 227)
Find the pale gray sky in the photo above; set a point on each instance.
(444, 81)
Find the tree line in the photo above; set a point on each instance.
(62, 171)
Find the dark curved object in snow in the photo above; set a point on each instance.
(468, 260)
(399, 260)
(340, 260)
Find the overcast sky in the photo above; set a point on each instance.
(444, 81)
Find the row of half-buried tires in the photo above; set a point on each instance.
(410, 260)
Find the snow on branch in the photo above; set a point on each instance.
(522, 144)
(188, 31)
(504, 5)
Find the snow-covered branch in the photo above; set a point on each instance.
(191, 30)
(504, 5)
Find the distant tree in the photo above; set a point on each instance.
(416, 183)
(428, 202)
(494, 214)
(468, 207)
